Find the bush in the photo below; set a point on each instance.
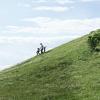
(94, 40)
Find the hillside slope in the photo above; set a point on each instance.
(68, 72)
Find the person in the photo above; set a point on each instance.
(44, 49)
(38, 51)
(41, 48)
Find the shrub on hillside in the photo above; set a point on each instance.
(94, 40)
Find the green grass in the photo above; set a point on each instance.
(68, 72)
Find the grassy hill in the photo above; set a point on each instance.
(68, 72)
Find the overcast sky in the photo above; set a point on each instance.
(26, 23)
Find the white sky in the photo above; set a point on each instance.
(26, 23)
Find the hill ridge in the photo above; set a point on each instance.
(68, 72)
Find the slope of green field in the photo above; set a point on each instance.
(68, 72)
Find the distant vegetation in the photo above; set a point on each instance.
(94, 40)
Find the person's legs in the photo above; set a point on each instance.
(41, 51)
(44, 49)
